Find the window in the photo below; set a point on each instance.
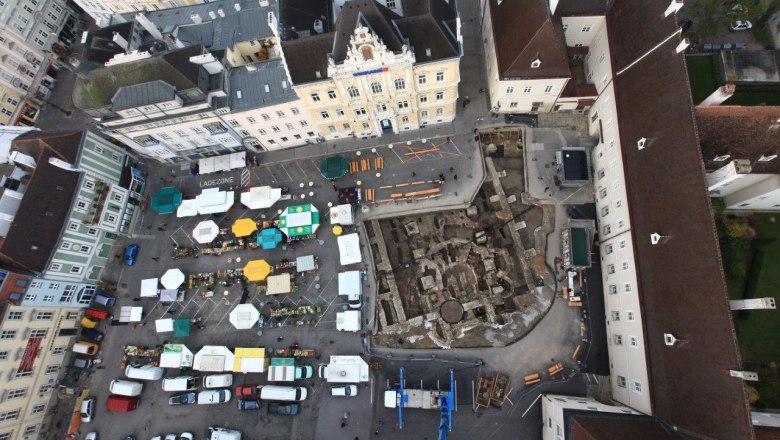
(360, 112)
(304, 124)
(111, 218)
(73, 226)
(15, 316)
(276, 129)
(624, 265)
(29, 296)
(629, 315)
(16, 394)
(271, 141)
(601, 173)
(295, 111)
(7, 334)
(608, 248)
(262, 132)
(604, 211)
(622, 244)
(403, 105)
(315, 97)
(339, 113)
(331, 128)
(617, 339)
(346, 127)
(366, 127)
(289, 126)
(400, 84)
(353, 92)
(627, 287)
(58, 350)
(633, 341)
(527, 90)
(233, 122)
(621, 223)
(38, 409)
(615, 315)
(44, 389)
(510, 90)
(439, 76)
(9, 415)
(405, 120)
(513, 104)
(390, 4)
(381, 108)
(424, 114)
(324, 115)
(30, 429)
(376, 88)
(297, 136)
(48, 298)
(636, 386)
(251, 120)
(606, 229)
(3, 355)
(621, 381)
(548, 90)
(285, 139)
(423, 99)
(43, 316)
(421, 79)
(612, 289)
(38, 333)
(610, 268)
(92, 231)
(279, 113)
(56, 267)
(618, 203)
(439, 111)
(439, 96)
(586, 28)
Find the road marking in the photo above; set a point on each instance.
(245, 177)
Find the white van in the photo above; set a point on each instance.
(126, 387)
(218, 381)
(147, 372)
(180, 383)
(217, 433)
(282, 393)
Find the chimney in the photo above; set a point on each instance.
(721, 94)
(553, 6)
(212, 15)
(59, 163)
(723, 176)
(674, 6)
(238, 7)
(22, 159)
(120, 41)
(195, 18)
(683, 45)
(149, 26)
(221, 12)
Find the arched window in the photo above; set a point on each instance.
(400, 84)
(376, 88)
(353, 92)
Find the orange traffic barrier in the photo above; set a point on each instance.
(532, 378)
(576, 351)
(555, 369)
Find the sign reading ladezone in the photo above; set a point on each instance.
(371, 72)
(217, 182)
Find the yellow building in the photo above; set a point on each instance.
(379, 72)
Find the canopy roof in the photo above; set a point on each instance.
(299, 220)
(163, 325)
(213, 358)
(181, 328)
(244, 316)
(149, 287)
(261, 197)
(188, 208)
(243, 227)
(278, 284)
(349, 283)
(249, 360)
(269, 238)
(176, 356)
(172, 278)
(342, 215)
(305, 263)
(130, 314)
(214, 201)
(205, 232)
(348, 321)
(334, 167)
(166, 200)
(349, 249)
(257, 270)
(226, 162)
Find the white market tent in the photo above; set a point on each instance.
(249, 360)
(348, 321)
(278, 284)
(349, 283)
(244, 316)
(130, 314)
(213, 358)
(214, 201)
(149, 287)
(349, 249)
(176, 356)
(172, 278)
(225, 162)
(261, 197)
(163, 325)
(342, 215)
(205, 232)
(188, 208)
(169, 295)
(305, 263)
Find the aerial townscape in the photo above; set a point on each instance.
(389, 219)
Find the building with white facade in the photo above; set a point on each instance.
(740, 146)
(67, 200)
(102, 10)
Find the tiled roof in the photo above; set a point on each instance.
(589, 425)
(741, 133)
(252, 84)
(583, 7)
(681, 283)
(307, 56)
(138, 95)
(523, 31)
(220, 33)
(365, 13)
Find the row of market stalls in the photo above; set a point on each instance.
(219, 358)
(212, 200)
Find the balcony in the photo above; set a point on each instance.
(96, 207)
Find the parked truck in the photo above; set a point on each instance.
(285, 370)
(422, 399)
(345, 369)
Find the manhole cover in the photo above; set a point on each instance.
(451, 311)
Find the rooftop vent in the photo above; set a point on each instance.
(284, 84)
(195, 17)
(669, 339)
(238, 94)
(221, 12)
(535, 64)
(213, 15)
(317, 74)
(263, 3)
(641, 143)
(428, 52)
(267, 88)
(319, 27)
(237, 7)
(655, 238)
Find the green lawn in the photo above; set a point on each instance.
(701, 74)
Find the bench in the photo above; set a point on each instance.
(531, 379)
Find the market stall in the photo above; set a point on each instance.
(149, 287)
(215, 358)
(243, 227)
(225, 162)
(342, 215)
(205, 232)
(172, 278)
(349, 249)
(261, 197)
(214, 201)
(299, 221)
(334, 167)
(257, 270)
(163, 325)
(306, 263)
(249, 360)
(348, 321)
(278, 284)
(188, 208)
(176, 356)
(181, 328)
(171, 295)
(269, 238)
(130, 314)
(244, 316)
(166, 200)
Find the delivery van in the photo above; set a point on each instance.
(217, 433)
(218, 381)
(126, 387)
(180, 383)
(121, 403)
(86, 348)
(147, 372)
(283, 393)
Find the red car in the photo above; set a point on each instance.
(247, 391)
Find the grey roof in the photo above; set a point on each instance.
(252, 85)
(250, 24)
(142, 94)
(172, 17)
(751, 66)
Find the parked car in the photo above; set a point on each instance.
(283, 409)
(214, 396)
(171, 437)
(183, 399)
(218, 381)
(88, 322)
(91, 334)
(741, 25)
(104, 300)
(120, 403)
(323, 370)
(97, 314)
(91, 436)
(249, 404)
(186, 436)
(87, 410)
(304, 372)
(246, 391)
(131, 254)
(344, 390)
(86, 348)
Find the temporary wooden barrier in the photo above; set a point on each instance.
(555, 369)
(531, 379)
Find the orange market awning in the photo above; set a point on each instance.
(243, 227)
(257, 270)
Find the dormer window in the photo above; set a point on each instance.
(641, 143)
(535, 64)
(765, 158)
(721, 158)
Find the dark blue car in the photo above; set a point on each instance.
(131, 254)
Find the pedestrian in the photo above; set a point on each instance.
(170, 312)
(455, 177)
(335, 188)
(331, 341)
(160, 229)
(156, 258)
(343, 423)
(376, 433)
(280, 339)
(452, 169)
